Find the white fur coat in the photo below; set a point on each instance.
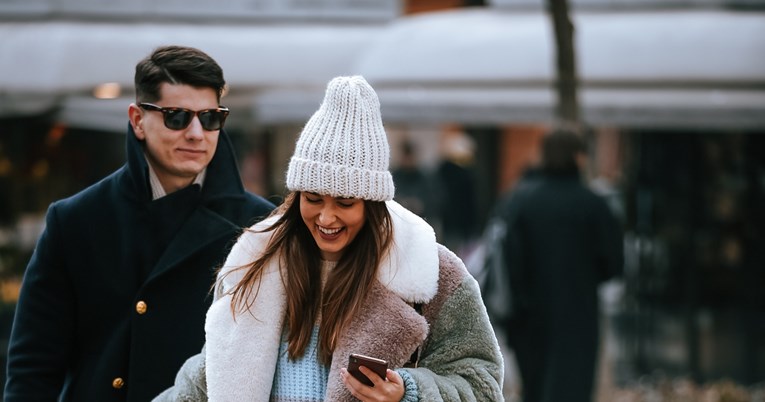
(241, 351)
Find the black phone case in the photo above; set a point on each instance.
(379, 366)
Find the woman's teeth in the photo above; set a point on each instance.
(329, 231)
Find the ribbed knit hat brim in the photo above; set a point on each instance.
(343, 150)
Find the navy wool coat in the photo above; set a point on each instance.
(563, 241)
(114, 298)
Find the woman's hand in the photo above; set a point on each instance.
(390, 389)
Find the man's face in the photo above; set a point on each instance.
(176, 156)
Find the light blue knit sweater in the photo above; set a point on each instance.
(305, 379)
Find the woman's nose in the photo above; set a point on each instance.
(327, 215)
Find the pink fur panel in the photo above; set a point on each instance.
(387, 328)
(451, 274)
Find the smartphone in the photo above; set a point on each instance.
(379, 366)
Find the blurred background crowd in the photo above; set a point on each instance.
(673, 92)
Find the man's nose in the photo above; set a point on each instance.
(195, 131)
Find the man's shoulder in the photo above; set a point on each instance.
(510, 201)
(258, 204)
(244, 210)
(96, 193)
(258, 200)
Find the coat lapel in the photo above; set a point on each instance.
(387, 328)
(200, 229)
(242, 350)
(241, 366)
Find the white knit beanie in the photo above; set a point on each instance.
(343, 150)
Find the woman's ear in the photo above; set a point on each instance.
(135, 114)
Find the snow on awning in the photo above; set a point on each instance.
(472, 66)
(667, 68)
(486, 45)
(45, 60)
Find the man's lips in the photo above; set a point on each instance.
(192, 151)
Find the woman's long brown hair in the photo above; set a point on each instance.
(300, 260)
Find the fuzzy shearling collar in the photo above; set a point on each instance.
(241, 351)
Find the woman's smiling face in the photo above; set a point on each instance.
(333, 221)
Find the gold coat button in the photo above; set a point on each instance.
(140, 307)
(118, 383)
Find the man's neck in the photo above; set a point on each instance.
(161, 188)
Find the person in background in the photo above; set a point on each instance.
(414, 187)
(341, 268)
(114, 297)
(561, 242)
(456, 195)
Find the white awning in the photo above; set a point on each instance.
(44, 61)
(630, 107)
(702, 68)
(697, 68)
(482, 45)
(486, 66)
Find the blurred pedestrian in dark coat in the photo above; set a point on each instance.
(414, 187)
(456, 195)
(114, 298)
(562, 242)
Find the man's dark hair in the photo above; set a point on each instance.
(176, 65)
(560, 148)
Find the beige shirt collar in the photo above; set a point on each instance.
(157, 191)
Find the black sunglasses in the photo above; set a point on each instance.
(178, 118)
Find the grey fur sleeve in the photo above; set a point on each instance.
(461, 360)
(190, 382)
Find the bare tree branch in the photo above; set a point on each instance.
(566, 83)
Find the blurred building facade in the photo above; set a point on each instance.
(674, 91)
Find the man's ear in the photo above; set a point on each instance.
(135, 114)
